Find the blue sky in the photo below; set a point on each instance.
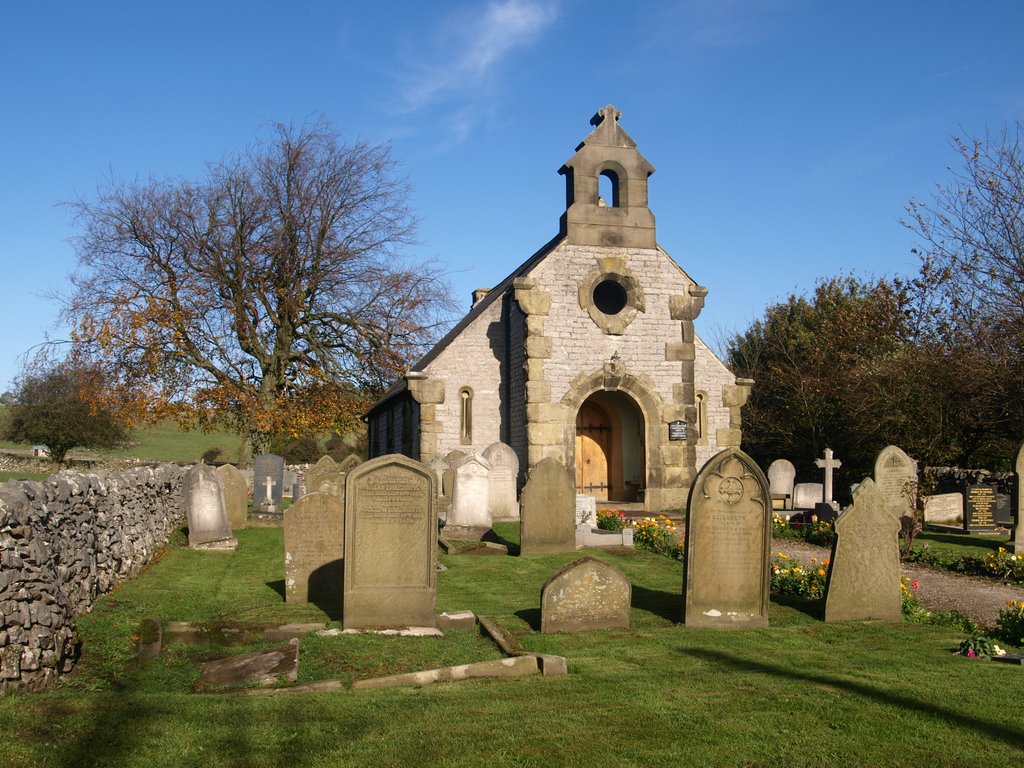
(787, 135)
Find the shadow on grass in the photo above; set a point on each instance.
(990, 729)
(666, 605)
(496, 538)
(964, 539)
(813, 608)
(277, 586)
(531, 616)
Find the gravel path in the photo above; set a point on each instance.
(938, 590)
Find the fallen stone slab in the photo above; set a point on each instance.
(234, 633)
(552, 666)
(505, 640)
(259, 668)
(456, 620)
(518, 666)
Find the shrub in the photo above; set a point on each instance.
(814, 531)
(1011, 623)
(658, 534)
(611, 520)
(791, 577)
(214, 455)
(300, 450)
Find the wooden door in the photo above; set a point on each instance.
(593, 438)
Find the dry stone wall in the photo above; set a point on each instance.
(63, 543)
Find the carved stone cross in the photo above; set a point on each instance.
(828, 464)
(268, 499)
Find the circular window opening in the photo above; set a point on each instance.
(610, 297)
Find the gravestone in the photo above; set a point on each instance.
(271, 466)
(298, 490)
(586, 510)
(332, 482)
(470, 514)
(314, 550)
(390, 544)
(236, 495)
(349, 463)
(896, 480)
(504, 471)
(781, 474)
(828, 464)
(439, 466)
(208, 526)
(323, 466)
(587, 594)
(979, 507)
(808, 495)
(864, 581)
(547, 510)
(1003, 511)
(945, 509)
(728, 544)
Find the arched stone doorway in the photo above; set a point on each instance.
(610, 450)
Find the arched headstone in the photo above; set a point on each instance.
(548, 510)
(314, 550)
(504, 472)
(208, 526)
(728, 544)
(236, 495)
(586, 594)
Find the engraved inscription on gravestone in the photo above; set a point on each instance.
(980, 500)
(896, 479)
(314, 548)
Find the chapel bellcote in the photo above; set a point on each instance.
(606, 188)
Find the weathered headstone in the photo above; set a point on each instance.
(864, 582)
(945, 509)
(349, 463)
(298, 490)
(323, 466)
(808, 495)
(236, 495)
(896, 480)
(1003, 510)
(470, 512)
(979, 507)
(728, 544)
(548, 510)
(828, 464)
(586, 594)
(390, 544)
(271, 466)
(332, 482)
(781, 474)
(208, 526)
(314, 550)
(504, 471)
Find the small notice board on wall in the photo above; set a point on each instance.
(677, 430)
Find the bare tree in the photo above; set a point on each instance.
(270, 296)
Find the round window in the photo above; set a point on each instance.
(610, 297)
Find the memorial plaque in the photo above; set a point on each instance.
(587, 594)
(314, 551)
(270, 466)
(728, 544)
(677, 430)
(864, 581)
(390, 544)
(979, 507)
(944, 509)
(236, 495)
(548, 510)
(208, 526)
(504, 474)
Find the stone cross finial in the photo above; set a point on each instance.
(828, 464)
(607, 112)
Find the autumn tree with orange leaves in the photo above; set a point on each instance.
(269, 297)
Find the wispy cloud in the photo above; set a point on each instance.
(468, 49)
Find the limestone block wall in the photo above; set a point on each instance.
(63, 543)
(713, 377)
(577, 342)
(475, 359)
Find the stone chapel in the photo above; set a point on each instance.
(585, 353)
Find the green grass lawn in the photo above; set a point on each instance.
(800, 693)
(959, 544)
